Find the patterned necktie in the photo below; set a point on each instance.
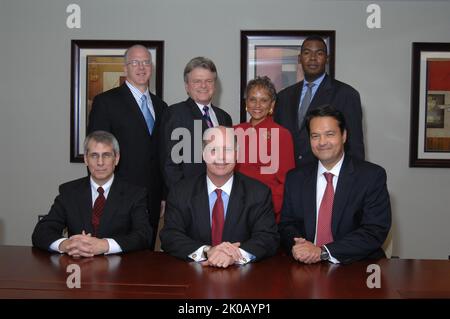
(206, 116)
(217, 219)
(97, 211)
(324, 235)
(305, 104)
(147, 114)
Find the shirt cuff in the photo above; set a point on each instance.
(198, 255)
(246, 257)
(331, 259)
(55, 245)
(114, 247)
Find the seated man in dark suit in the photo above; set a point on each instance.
(338, 208)
(102, 213)
(220, 218)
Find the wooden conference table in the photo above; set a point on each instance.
(27, 272)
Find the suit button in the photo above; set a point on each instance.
(300, 157)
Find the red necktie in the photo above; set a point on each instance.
(97, 211)
(324, 235)
(217, 219)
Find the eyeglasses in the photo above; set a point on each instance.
(135, 63)
(215, 149)
(105, 156)
(198, 83)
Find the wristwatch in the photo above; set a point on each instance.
(324, 255)
(205, 250)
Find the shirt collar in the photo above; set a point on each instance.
(105, 186)
(136, 91)
(200, 106)
(225, 187)
(335, 170)
(316, 81)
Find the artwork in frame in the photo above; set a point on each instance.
(430, 105)
(97, 66)
(275, 53)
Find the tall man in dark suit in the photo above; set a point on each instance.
(103, 214)
(338, 208)
(133, 115)
(220, 218)
(184, 123)
(317, 89)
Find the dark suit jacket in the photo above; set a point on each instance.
(361, 210)
(182, 115)
(250, 219)
(116, 111)
(124, 218)
(342, 96)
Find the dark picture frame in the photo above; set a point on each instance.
(275, 53)
(97, 66)
(430, 105)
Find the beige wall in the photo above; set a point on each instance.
(35, 82)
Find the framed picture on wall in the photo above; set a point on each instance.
(97, 66)
(430, 105)
(276, 55)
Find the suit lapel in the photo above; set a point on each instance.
(196, 113)
(323, 94)
(111, 206)
(219, 115)
(84, 198)
(297, 93)
(234, 209)
(309, 199)
(156, 107)
(345, 182)
(200, 208)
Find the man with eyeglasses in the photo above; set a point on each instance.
(103, 214)
(133, 115)
(184, 123)
(220, 218)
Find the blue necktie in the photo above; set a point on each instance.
(147, 115)
(305, 104)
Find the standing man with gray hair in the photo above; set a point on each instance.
(103, 214)
(184, 123)
(133, 115)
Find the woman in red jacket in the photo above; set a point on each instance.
(266, 151)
